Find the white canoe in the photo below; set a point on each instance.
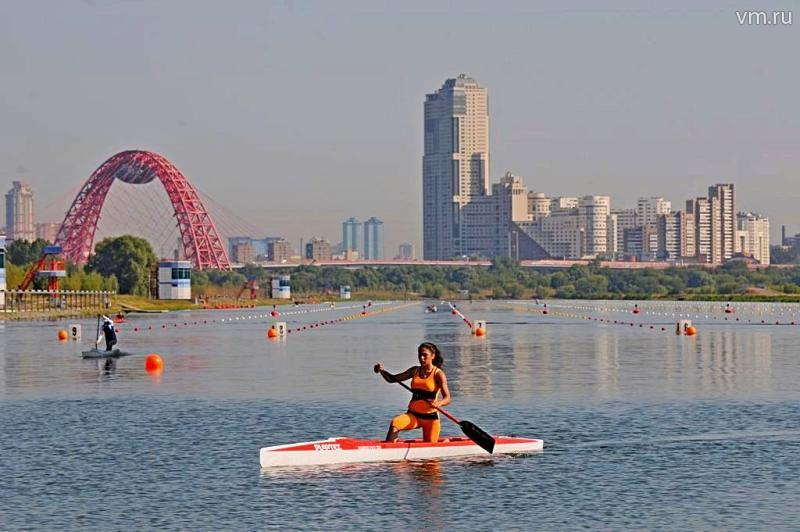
(351, 450)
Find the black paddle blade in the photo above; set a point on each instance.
(478, 435)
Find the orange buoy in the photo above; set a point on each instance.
(153, 363)
(690, 330)
(62, 334)
(480, 332)
(272, 332)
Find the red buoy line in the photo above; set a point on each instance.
(233, 319)
(642, 325)
(677, 315)
(569, 315)
(343, 319)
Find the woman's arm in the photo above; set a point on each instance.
(446, 398)
(399, 377)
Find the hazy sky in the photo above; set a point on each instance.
(298, 115)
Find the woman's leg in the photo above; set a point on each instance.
(431, 428)
(402, 422)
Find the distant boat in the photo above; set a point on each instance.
(97, 353)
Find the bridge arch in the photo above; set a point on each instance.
(200, 239)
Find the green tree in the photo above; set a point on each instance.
(21, 252)
(128, 258)
(592, 286)
(700, 278)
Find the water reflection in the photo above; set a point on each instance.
(106, 368)
(547, 356)
(469, 366)
(525, 355)
(730, 359)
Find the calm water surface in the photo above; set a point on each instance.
(643, 429)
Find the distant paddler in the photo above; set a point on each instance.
(107, 332)
(428, 380)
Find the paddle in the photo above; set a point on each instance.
(470, 430)
(97, 342)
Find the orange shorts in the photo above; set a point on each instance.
(408, 421)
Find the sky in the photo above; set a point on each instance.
(296, 115)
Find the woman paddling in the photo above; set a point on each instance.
(427, 381)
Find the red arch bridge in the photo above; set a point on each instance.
(199, 237)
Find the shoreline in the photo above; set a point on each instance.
(160, 307)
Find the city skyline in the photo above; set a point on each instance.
(583, 101)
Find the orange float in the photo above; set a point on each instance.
(154, 363)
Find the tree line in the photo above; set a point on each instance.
(127, 264)
(506, 279)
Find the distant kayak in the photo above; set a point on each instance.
(97, 353)
(351, 450)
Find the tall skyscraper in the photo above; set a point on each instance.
(700, 209)
(723, 222)
(19, 213)
(350, 240)
(455, 167)
(373, 239)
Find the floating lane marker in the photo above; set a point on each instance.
(565, 313)
(227, 320)
(351, 317)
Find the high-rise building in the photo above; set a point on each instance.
(625, 219)
(244, 253)
(752, 236)
(234, 241)
(373, 239)
(405, 251)
(700, 209)
(350, 236)
(47, 231)
(455, 169)
(279, 250)
(19, 213)
(675, 236)
(723, 222)
(508, 204)
(649, 209)
(594, 212)
(538, 205)
(318, 249)
(576, 228)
